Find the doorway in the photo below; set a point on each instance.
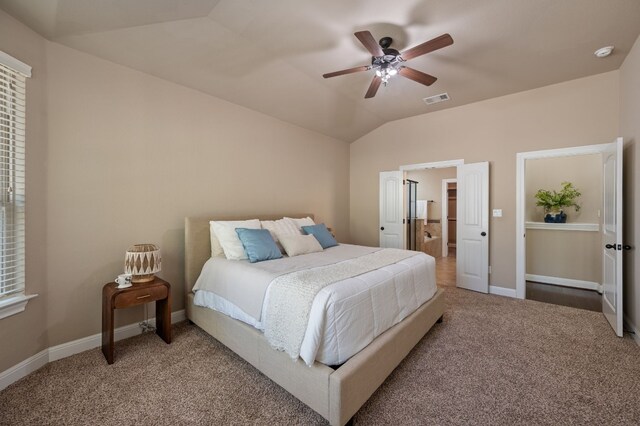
(430, 214)
(607, 226)
(472, 218)
(427, 210)
(564, 260)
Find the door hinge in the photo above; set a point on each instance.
(403, 221)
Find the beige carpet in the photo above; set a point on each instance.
(494, 360)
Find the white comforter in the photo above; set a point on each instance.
(345, 317)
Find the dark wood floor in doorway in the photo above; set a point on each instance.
(557, 295)
(565, 296)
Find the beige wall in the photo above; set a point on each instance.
(573, 113)
(25, 334)
(565, 254)
(584, 171)
(430, 187)
(131, 155)
(630, 130)
(575, 255)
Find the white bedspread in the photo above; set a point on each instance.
(291, 296)
(345, 316)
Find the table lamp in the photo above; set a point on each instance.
(142, 261)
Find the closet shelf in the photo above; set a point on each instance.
(571, 226)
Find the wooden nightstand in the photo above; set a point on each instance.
(113, 297)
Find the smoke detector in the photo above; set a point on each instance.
(437, 98)
(603, 52)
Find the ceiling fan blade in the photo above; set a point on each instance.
(373, 87)
(347, 71)
(429, 46)
(369, 42)
(418, 76)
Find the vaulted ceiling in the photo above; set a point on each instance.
(269, 55)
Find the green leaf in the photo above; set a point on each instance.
(557, 200)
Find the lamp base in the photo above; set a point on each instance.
(136, 279)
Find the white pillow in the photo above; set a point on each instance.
(305, 221)
(284, 226)
(225, 231)
(300, 244)
(216, 248)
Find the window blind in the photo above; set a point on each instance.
(12, 180)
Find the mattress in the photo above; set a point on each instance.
(345, 316)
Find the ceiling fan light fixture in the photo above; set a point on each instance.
(385, 71)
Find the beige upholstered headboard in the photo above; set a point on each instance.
(197, 243)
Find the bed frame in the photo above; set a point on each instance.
(335, 394)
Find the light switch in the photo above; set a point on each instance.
(497, 212)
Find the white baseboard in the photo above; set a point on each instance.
(64, 350)
(24, 368)
(631, 326)
(502, 291)
(76, 346)
(565, 282)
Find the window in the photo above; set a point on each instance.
(13, 74)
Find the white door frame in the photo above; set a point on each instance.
(445, 214)
(521, 157)
(421, 166)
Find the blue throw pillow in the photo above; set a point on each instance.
(258, 244)
(322, 234)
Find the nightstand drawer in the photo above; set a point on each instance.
(135, 297)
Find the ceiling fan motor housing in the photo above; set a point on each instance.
(385, 42)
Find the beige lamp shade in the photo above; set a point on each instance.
(142, 261)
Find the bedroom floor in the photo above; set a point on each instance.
(494, 360)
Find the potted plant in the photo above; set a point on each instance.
(554, 201)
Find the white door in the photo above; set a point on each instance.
(612, 235)
(391, 212)
(472, 245)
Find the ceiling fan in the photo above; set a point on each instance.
(387, 62)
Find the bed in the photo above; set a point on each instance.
(336, 393)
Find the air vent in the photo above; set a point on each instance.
(437, 98)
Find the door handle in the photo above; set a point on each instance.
(484, 234)
(610, 246)
(382, 228)
(627, 247)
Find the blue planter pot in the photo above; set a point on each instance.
(556, 218)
